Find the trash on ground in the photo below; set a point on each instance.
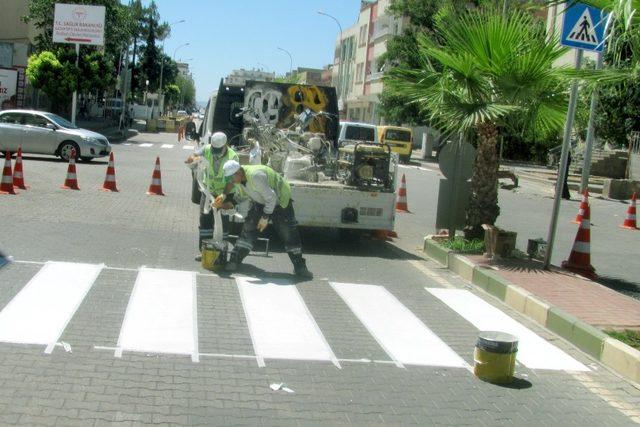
(281, 386)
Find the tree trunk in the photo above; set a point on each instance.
(483, 203)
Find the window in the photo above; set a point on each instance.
(363, 35)
(359, 73)
(35, 120)
(398, 135)
(358, 133)
(11, 118)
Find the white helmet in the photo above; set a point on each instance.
(218, 140)
(230, 168)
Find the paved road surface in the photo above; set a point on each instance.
(105, 317)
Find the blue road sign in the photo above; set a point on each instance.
(583, 28)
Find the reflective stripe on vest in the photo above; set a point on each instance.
(214, 180)
(276, 182)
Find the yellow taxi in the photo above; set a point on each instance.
(399, 139)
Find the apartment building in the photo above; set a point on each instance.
(357, 68)
(240, 77)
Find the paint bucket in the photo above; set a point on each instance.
(495, 357)
(213, 256)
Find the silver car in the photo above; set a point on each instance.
(46, 133)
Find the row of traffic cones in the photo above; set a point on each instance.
(10, 181)
(580, 258)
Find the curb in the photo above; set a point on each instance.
(623, 359)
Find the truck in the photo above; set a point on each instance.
(294, 128)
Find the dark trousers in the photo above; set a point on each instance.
(206, 225)
(285, 224)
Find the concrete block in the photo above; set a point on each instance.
(536, 309)
(480, 278)
(461, 265)
(623, 359)
(497, 286)
(516, 298)
(620, 189)
(588, 339)
(560, 322)
(436, 252)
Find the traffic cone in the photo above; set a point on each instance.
(580, 259)
(6, 185)
(155, 189)
(630, 220)
(110, 179)
(401, 204)
(18, 176)
(584, 204)
(71, 181)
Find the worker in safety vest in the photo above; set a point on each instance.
(216, 154)
(270, 196)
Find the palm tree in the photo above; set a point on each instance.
(487, 71)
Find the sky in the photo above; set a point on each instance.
(224, 35)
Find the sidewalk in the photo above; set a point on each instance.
(576, 309)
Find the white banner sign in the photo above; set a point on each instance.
(8, 88)
(78, 23)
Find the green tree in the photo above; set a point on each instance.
(187, 91)
(486, 71)
(57, 78)
(172, 95)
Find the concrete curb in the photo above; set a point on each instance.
(623, 359)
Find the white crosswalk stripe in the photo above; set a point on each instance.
(533, 351)
(167, 146)
(39, 313)
(161, 317)
(145, 145)
(187, 147)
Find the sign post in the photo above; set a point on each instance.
(583, 29)
(78, 24)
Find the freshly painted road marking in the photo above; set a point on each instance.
(533, 351)
(187, 147)
(167, 146)
(40, 312)
(398, 331)
(161, 316)
(280, 323)
(126, 143)
(145, 145)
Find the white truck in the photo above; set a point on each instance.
(351, 186)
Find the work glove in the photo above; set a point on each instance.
(262, 224)
(217, 203)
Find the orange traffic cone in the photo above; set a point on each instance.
(401, 204)
(110, 179)
(71, 181)
(580, 259)
(584, 204)
(630, 220)
(155, 189)
(6, 185)
(18, 176)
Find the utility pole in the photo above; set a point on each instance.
(74, 101)
(124, 89)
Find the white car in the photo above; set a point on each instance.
(39, 132)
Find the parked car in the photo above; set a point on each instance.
(40, 132)
(400, 139)
(351, 132)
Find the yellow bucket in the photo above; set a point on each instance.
(211, 257)
(495, 357)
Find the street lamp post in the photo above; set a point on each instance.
(340, 82)
(290, 60)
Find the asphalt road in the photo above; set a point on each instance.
(527, 210)
(135, 331)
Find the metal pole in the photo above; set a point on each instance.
(588, 149)
(290, 60)
(562, 172)
(74, 102)
(124, 89)
(340, 80)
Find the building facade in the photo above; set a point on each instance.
(16, 44)
(357, 68)
(240, 77)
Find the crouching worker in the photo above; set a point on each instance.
(270, 196)
(216, 154)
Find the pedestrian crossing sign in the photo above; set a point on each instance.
(583, 27)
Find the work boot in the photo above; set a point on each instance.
(235, 259)
(300, 267)
(198, 258)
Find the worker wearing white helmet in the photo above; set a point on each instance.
(216, 154)
(270, 196)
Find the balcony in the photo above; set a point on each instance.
(373, 77)
(382, 28)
